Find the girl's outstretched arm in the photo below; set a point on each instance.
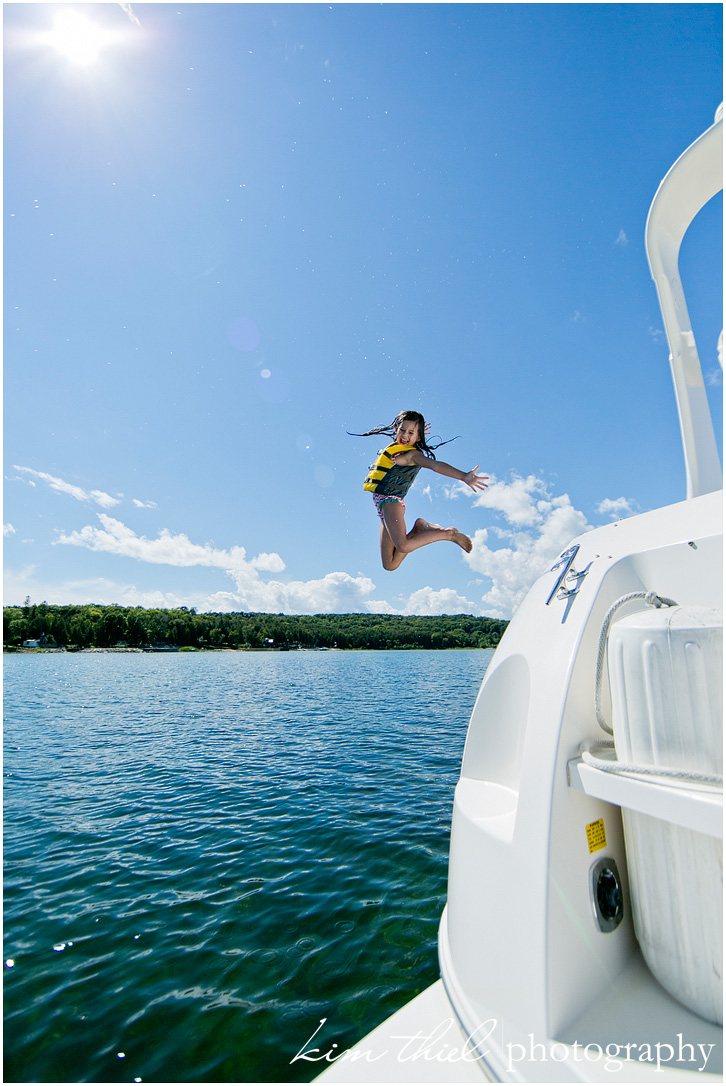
(476, 482)
(415, 456)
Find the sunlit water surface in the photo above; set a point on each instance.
(205, 854)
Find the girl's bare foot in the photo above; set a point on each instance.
(463, 540)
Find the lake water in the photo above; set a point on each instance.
(205, 854)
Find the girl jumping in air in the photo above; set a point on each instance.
(390, 478)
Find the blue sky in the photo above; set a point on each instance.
(246, 229)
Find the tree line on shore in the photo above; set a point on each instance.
(107, 625)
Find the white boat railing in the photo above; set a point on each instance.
(687, 187)
(699, 809)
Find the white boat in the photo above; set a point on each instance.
(581, 940)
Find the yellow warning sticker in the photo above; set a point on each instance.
(596, 838)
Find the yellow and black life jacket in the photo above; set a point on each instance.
(386, 477)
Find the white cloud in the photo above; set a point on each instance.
(542, 526)
(8, 529)
(427, 601)
(617, 508)
(515, 500)
(268, 563)
(335, 592)
(143, 505)
(129, 11)
(98, 496)
(169, 550)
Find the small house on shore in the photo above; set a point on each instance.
(41, 642)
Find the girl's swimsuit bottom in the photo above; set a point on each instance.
(379, 499)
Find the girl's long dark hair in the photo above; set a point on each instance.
(407, 416)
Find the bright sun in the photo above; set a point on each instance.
(77, 38)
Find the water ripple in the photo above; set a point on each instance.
(206, 854)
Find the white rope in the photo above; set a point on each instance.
(665, 772)
(653, 601)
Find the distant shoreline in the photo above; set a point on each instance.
(103, 627)
(173, 650)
